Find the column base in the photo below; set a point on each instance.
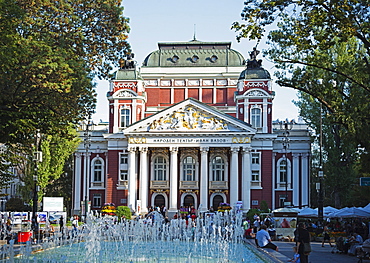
(171, 212)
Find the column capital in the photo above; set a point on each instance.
(174, 150)
(78, 155)
(246, 149)
(143, 149)
(234, 150)
(305, 155)
(131, 149)
(204, 150)
(296, 155)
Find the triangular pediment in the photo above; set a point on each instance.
(190, 116)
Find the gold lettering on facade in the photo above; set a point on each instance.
(241, 140)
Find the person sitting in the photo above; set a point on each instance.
(355, 241)
(249, 233)
(285, 224)
(363, 249)
(263, 239)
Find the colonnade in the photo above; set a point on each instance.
(204, 177)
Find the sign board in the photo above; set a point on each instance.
(365, 181)
(53, 204)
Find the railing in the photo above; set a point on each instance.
(97, 184)
(218, 185)
(189, 185)
(159, 184)
(123, 184)
(255, 184)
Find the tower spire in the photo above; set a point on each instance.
(194, 38)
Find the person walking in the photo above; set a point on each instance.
(302, 238)
(326, 236)
(264, 240)
(61, 224)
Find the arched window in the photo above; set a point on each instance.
(160, 168)
(125, 117)
(98, 171)
(256, 117)
(188, 168)
(218, 169)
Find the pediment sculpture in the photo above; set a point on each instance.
(188, 119)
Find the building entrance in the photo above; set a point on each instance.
(159, 201)
(216, 201)
(188, 200)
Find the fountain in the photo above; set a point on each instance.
(216, 238)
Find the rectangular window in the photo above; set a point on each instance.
(125, 117)
(256, 117)
(282, 199)
(124, 159)
(97, 200)
(256, 176)
(283, 172)
(255, 158)
(97, 176)
(123, 175)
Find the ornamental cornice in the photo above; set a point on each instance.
(129, 85)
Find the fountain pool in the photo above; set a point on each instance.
(215, 239)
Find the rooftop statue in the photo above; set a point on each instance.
(253, 63)
(127, 63)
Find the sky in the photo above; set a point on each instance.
(178, 20)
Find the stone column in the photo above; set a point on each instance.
(77, 183)
(204, 178)
(246, 178)
(234, 186)
(116, 117)
(305, 180)
(265, 115)
(144, 179)
(173, 179)
(295, 179)
(131, 201)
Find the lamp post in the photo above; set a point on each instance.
(87, 145)
(320, 201)
(37, 158)
(286, 126)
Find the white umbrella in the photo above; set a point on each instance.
(308, 212)
(351, 212)
(367, 208)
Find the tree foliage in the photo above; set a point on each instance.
(56, 150)
(123, 212)
(310, 35)
(50, 52)
(322, 48)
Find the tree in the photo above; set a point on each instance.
(56, 150)
(322, 48)
(50, 52)
(307, 34)
(123, 212)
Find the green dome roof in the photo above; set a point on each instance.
(127, 74)
(255, 73)
(194, 54)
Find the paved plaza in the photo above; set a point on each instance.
(319, 254)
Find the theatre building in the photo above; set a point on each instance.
(192, 127)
